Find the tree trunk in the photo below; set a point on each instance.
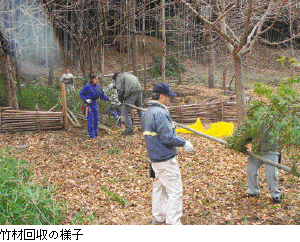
(82, 60)
(133, 34)
(239, 87)
(12, 86)
(100, 36)
(102, 58)
(163, 34)
(179, 65)
(225, 67)
(3, 60)
(211, 62)
(51, 69)
(90, 54)
(144, 46)
(16, 64)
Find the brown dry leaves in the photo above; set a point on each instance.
(214, 180)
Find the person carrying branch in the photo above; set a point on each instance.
(68, 79)
(161, 143)
(89, 94)
(269, 152)
(257, 131)
(129, 91)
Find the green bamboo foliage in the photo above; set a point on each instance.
(277, 111)
(23, 202)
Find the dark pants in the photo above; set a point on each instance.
(92, 121)
(135, 100)
(115, 111)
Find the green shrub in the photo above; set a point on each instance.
(172, 66)
(2, 92)
(48, 96)
(276, 112)
(22, 202)
(45, 96)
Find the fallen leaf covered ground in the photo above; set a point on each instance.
(106, 181)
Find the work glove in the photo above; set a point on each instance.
(174, 125)
(88, 101)
(188, 147)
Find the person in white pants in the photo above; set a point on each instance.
(167, 196)
(161, 143)
(68, 79)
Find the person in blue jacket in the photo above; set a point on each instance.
(161, 144)
(89, 94)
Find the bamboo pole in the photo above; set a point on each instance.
(64, 104)
(251, 154)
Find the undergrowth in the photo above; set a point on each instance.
(23, 202)
(173, 67)
(49, 96)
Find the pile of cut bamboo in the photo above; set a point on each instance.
(17, 120)
(213, 111)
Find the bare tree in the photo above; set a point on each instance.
(30, 37)
(84, 24)
(241, 24)
(164, 45)
(133, 33)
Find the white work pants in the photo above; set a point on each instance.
(271, 174)
(167, 197)
(70, 87)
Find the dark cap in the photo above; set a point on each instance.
(92, 76)
(115, 75)
(163, 88)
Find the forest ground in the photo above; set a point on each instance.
(106, 180)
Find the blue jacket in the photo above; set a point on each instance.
(90, 91)
(160, 137)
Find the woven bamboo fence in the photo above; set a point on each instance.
(209, 112)
(20, 120)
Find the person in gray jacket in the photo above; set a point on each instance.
(161, 143)
(129, 91)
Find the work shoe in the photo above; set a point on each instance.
(119, 121)
(155, 222)
(126, 132)
(277, 200)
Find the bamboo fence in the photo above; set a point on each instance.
(213, 111)
(18, 120)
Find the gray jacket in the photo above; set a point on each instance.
(269, 147)
(127, 85)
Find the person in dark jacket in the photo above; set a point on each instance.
(161, 143)
(129, 91)
(89, 94)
